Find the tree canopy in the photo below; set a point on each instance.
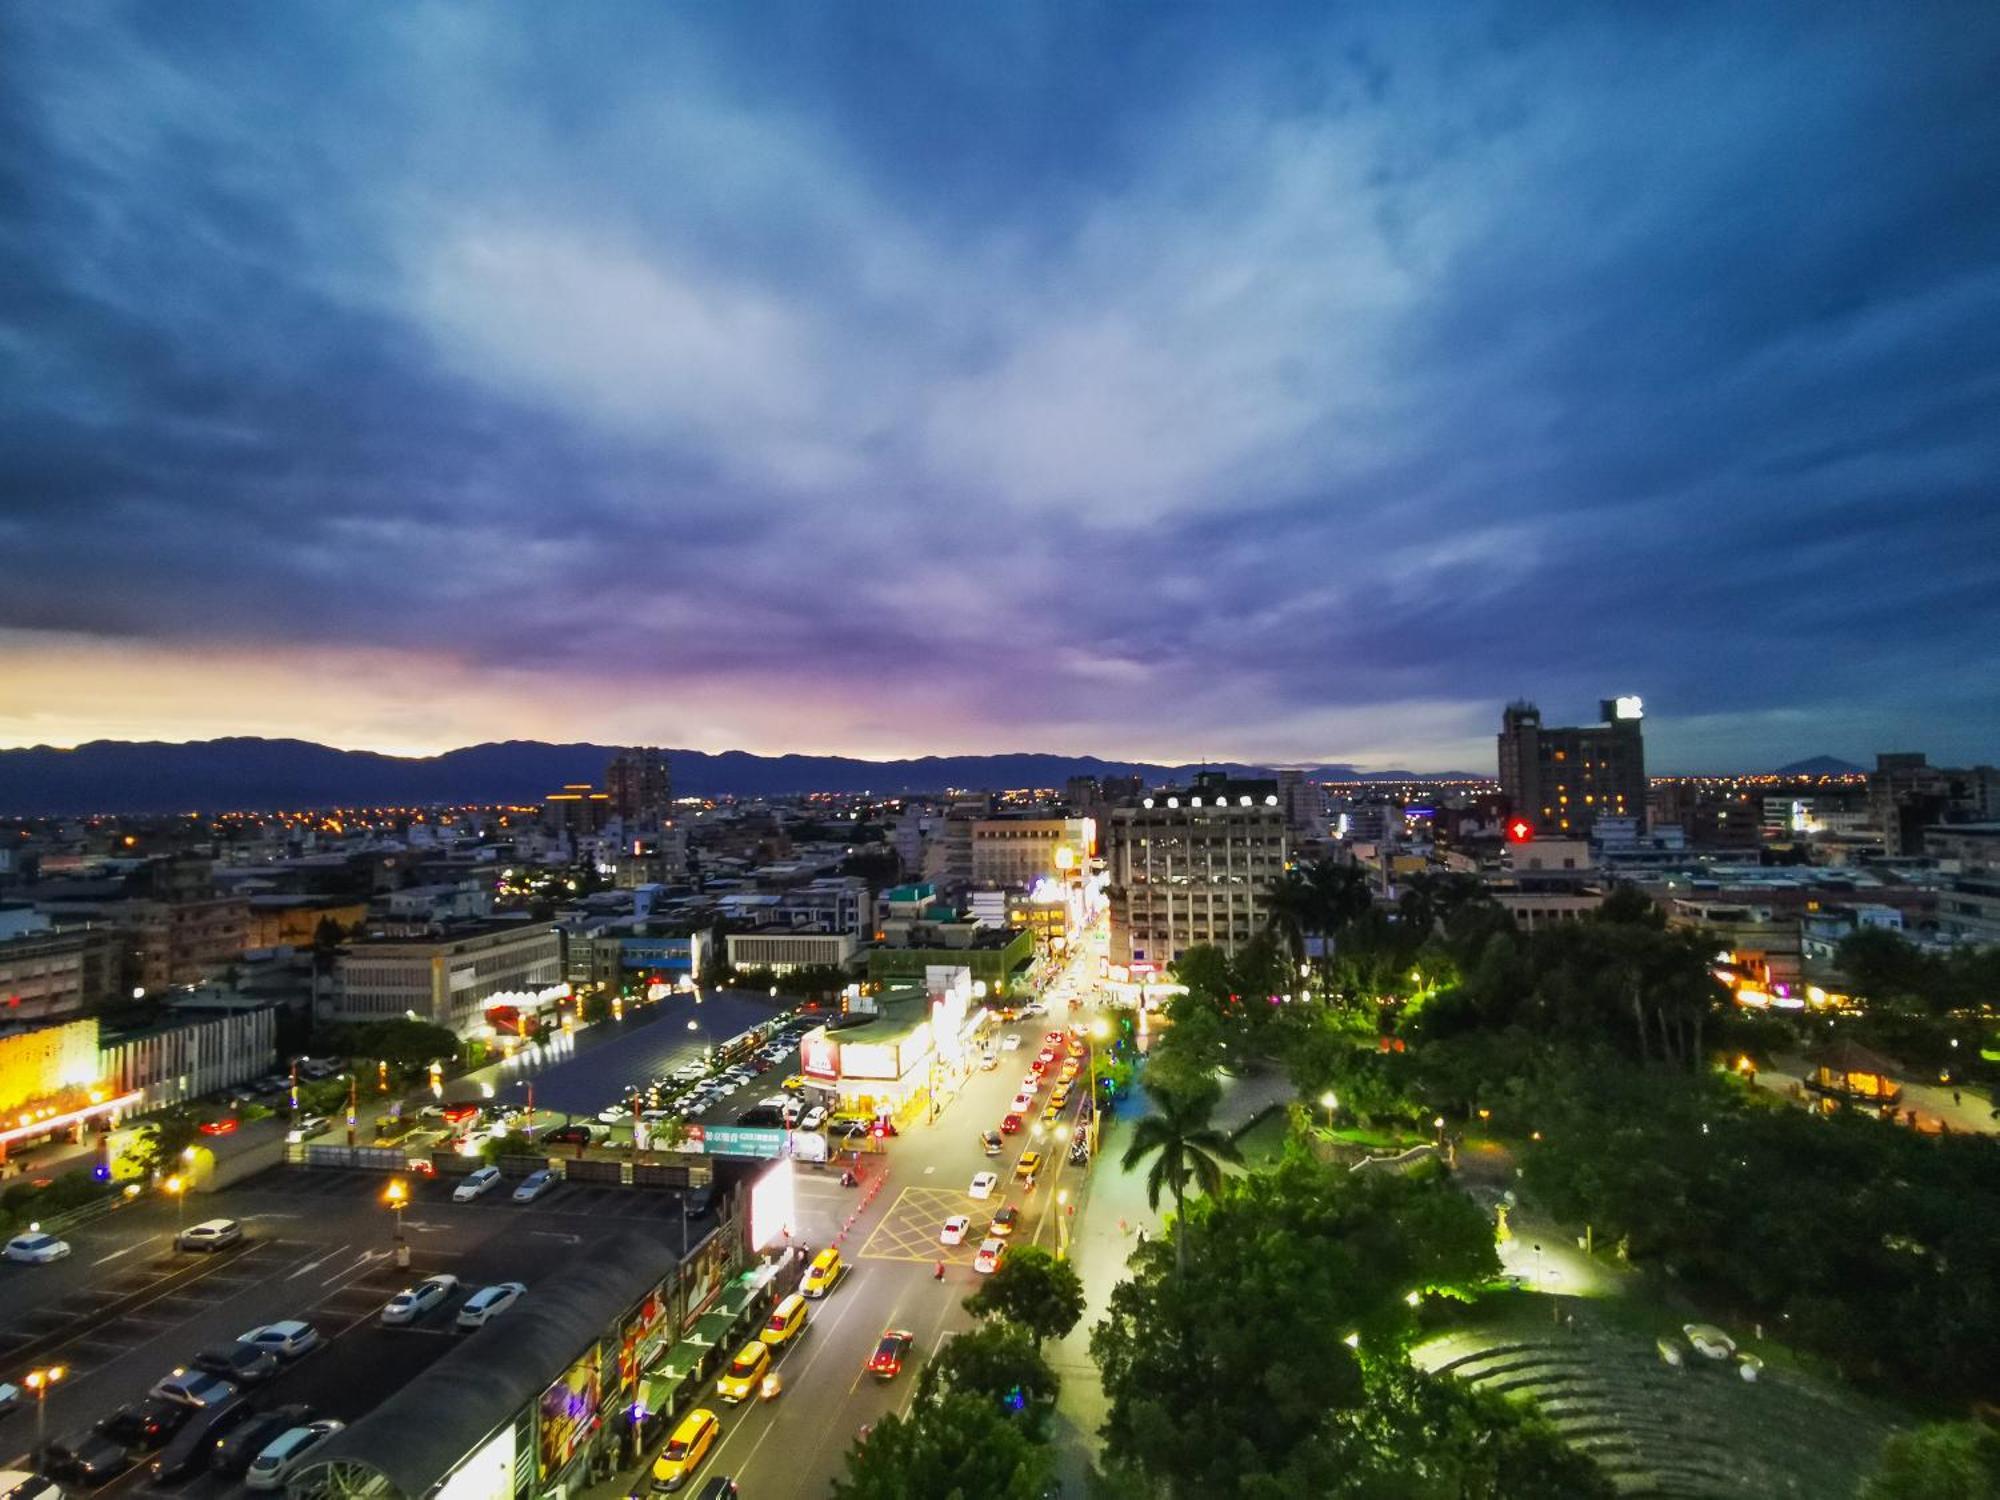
(958, 1447)
(1032, 1290)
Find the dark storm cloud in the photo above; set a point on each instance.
(1265, 381)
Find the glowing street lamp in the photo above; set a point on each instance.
(1329, 1101)
(397, 1196)
(176, 1186)
(39, 1382)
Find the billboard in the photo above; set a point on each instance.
(566, 1414)
(819, 1057)
(773, 1207)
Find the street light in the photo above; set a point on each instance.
(397, 1196)
(1329, 1102)
(176, 1186)
(39, 1382)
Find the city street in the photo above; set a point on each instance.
(794, 1447)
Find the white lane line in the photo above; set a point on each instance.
(314, 1265)
(118, 1254)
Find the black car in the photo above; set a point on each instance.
(144, 1425)
(762, 1116)
(238, 1363)
(721, 1487)
(189, 1452)
(87, 1460)
(237, 1448)
(569, 1135)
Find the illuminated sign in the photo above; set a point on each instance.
(566, 1413)
(1628, 708)
(1520, 831)
(819, 1057)
(773, 1207)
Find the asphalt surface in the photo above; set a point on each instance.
(796, 1445)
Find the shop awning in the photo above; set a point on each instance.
(713, 1327)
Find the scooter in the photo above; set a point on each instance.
(771, 1386)
(848, 1179)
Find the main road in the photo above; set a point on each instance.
(794, 1447)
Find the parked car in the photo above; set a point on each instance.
(983, 1184)
(576, 1133)
(240, 1444)
(488, 1303)
(787, 1322)
(87, 1460)
(238, 1363)
(1011, 1042)
(209, 1234)
(145, 1425)
(194, 1444)
(740, 1380)
(991, 1143)
(413, 1302)
(991, 1253)
(822, 1275)
(813, 1118)
(192, 1388)
(534, 1185)
(285, 1452)
(305, 1127)
(954, 1230)
(689, 1445)
(476, 1182)
(36, 1249)
(287, 1339)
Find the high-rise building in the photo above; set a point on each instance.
(1193, 866)
(578, 810)
(640, 787)
(1565, 779)
(1907, 794)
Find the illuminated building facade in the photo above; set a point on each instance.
(1192, 867)
(1567, 778)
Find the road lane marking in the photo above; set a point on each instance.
(116, 1254)
(314, 1265)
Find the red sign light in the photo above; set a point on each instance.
(1519, 830)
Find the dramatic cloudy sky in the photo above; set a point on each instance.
(1166, 381)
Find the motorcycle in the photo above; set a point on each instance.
(848, 1179)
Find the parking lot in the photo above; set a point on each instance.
(125, 1307)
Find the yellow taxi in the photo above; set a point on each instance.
(1069, 1071)
(686, 1449)
(821, 1275)
(1053, 1112)
(1061, 1095)
(788, 1321)
(1028, 1165)
(739, 1381)
(795, 1081)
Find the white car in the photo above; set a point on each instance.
(1023, 1104)
(36, 1249)
(488, 1303)
(955, 1229)
(270, 1468)
(1011, 1042)
(412, 1303)
(614, 1114)
(192, 1388)
(990, 1254)
(534, 1185)
(984, 1184)
(10, 1396)
(288, 1339)
(814, 1118)
(479, 1180)
(988, 1061)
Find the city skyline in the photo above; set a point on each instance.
(1160, 386)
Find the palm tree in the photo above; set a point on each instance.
(1184, 1147)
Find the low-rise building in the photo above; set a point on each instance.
(454, 978)
(51, 973)
(185, 1059)
(782, 950)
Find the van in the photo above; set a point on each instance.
(787, 1322)
(685, 1449)
(821, 1275)
(209, 1234)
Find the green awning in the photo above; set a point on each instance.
(656, 1392)
(678, 1362)
(714, 1327)
(738, 1297)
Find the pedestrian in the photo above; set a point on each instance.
(1954, 1097)
(938, 1274)
(1142, 1234)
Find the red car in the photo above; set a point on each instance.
(218, 1127)
(887, 1362)
(1010, 1124)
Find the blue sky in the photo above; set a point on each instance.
(1164, 381)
